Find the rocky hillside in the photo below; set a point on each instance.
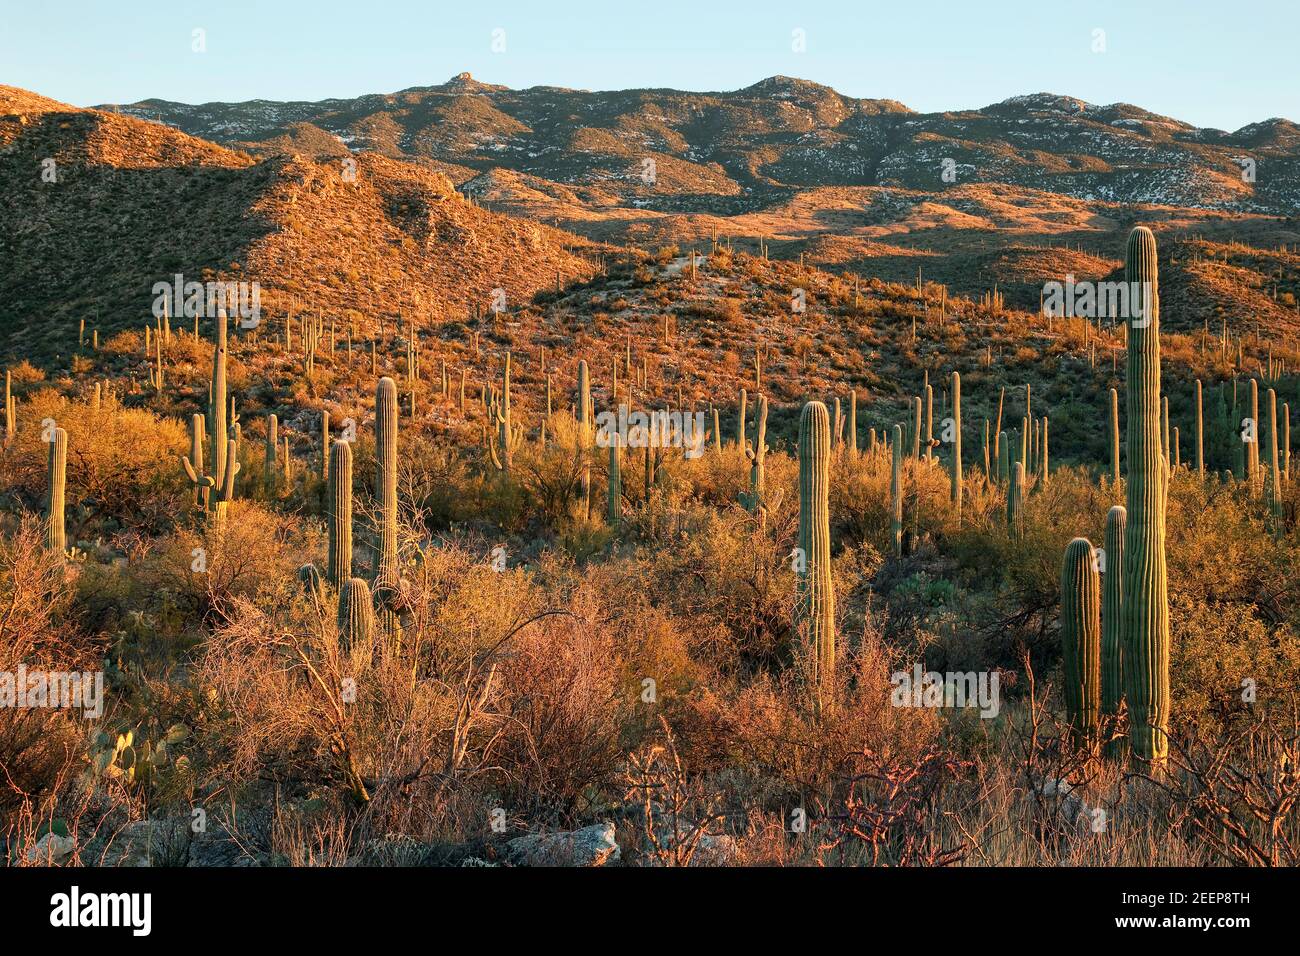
(96, 207)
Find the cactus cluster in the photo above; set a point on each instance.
(216, 484)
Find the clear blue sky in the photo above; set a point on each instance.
(1210, 63)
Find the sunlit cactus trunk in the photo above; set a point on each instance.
(1146, 598)
(387, 586)
(757, 453)
(853, 422)
(956, 445)
(1274, 466)
(814, 610)
(55, 529)
(1112, 621)
(197, 436)
(896, 492)
(1200, 434)
(11, 419)
(1114, 437)
(741, 411)
(1016, 501)
(270, 468)
(356, 621)
(583, 403)
(615, 479)
(1081, 638)
(1252, 447)
(340, 514)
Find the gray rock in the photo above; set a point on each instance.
(51, 850)
(590, 846)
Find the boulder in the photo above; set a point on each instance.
(590, 846)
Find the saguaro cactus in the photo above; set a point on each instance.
(387, 582)
(757, 453)
(1146, 598)
(853, 422)
(956, 444)
(220, 479)
(584, 430)
(1274, 468)
(896, 492)
(1016, 501)
(615, 477)
(1112, 618)
(929, 420)
(814, 607)
(507, 436)
(1252, 448)
(741, 410)
(356, 615)
(196, 458)
(1114, 437)
(270, 473)
(55, 505)
(340, 514)
(1042, 452)
(1081, 637)
(10, 416)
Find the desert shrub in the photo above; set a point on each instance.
(123, 465)
(38, 746)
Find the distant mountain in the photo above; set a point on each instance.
(729, 152)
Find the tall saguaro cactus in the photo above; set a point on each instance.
(11, 418)
(1112, 617)
(896, 492)
(201, 491)
(222, 465)
(853, 422)
(340, 514)
(584, 431)
(1146, 597)
(55, 529)
(757, 453)
(1114, 437)
(270, 473)
(507, 436)
(1016, 501)
(615, 478)
(387, 586)
(1274, 468)
(814, 606)
(1081, 637)
(1252, 449)
(956, 444)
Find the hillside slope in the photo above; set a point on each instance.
(133, 203)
